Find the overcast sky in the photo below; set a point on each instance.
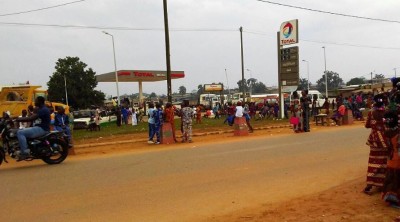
(30, 52)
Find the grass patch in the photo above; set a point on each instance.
(110, 129)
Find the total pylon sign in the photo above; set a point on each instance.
(289, 33)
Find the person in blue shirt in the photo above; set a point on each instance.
(61, 123)
(41, 126)
(124, 115)
(150, 121)
(158, 121)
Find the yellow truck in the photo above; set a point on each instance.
(19, 97)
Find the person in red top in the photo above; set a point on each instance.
(170, 118)
(231, 114)
(198, 114)
(339, 114)
(391, 185)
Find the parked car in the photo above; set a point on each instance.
(82, 118)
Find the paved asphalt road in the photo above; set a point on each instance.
(190, 184)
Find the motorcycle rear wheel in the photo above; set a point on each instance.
(62, 154)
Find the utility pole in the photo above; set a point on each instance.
(241, 44)
(167, 51)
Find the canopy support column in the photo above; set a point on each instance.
(140, 93)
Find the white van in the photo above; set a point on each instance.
(311, 94)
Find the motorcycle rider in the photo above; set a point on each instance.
(41, 126)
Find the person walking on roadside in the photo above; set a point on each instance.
(134, 118)
(216, 111)
(151, 123)
(230, 114)
(186, 115)
(246, 113)
(378, 144)
(158, 122)
(118, 114)
(170, 118)
(97, 118)
(124, 112)
(198, 114)
(391, 184)
(305, 106)
(297, 119)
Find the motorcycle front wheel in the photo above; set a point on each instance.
(60, 152)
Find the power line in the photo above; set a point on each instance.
(116, 28)
(328, 12)
(41, 9)
(182, 30)
(330, 43)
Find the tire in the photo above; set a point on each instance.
(62, 155)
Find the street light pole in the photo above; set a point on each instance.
(66, 93)
(326, 75)
(227, 82)
(251, 85)
(395, 75)
(115, 66)
(241, 50)
(308, 74)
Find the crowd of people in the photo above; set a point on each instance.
(157, 117)
(128, 115)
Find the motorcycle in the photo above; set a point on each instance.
(51, 148)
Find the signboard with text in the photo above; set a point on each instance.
(289, 33)
(289, 70)
(213, 87)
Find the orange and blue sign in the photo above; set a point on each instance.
(289, 32)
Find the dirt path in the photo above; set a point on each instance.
(345, 202)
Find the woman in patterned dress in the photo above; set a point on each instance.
(378, 144)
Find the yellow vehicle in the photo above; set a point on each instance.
(17, 98)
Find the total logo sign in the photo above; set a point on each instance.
(289, 32)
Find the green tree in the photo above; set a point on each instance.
(303, 84)
(153, 95)
(200, 89)
(378, 78)
(259, 87)
(245, 85)
(182, 90)
(334, 81)
(356, 81)
(81, 82)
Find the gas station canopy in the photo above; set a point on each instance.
(139, 76)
